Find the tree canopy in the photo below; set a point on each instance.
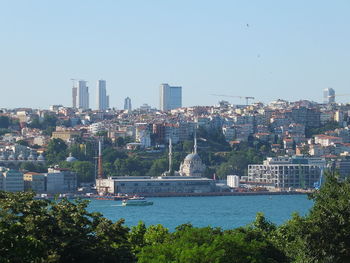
(56, 151)
(64, 231)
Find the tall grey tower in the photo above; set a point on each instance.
(329, 95)
(102, 98)
(127, 104)
(82, 95)
(170, 97)
(74, 96)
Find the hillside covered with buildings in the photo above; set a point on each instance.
(244, 140)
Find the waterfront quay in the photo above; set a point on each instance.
(223, 194)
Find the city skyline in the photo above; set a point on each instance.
(269, 50)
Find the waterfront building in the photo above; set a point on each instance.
(59, 180)
(11, 180)
(233, 181)
(188, 180)
(102, 98)
(342, 165)
(34, 182)
(286, 172)
(82, 95)
(157, 185)
(328, 96)
(127, 104)
(170, 97)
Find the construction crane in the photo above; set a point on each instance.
(74, 81)
(338, 95)
(247, 98)
(331, 98)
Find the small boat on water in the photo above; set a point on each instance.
(136, 201)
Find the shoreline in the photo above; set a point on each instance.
(221, 194)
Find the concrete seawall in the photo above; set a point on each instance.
(220, 194)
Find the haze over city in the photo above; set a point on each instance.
(266, 49)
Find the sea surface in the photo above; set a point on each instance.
(226, 212)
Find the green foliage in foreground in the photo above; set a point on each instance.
(64, 231)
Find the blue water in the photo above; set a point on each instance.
(222, 211)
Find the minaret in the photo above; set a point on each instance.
(100, 171)
(170, 155)
(195, 142)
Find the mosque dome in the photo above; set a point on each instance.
(12, 157)
(192, 157)
(41, 158)
(31, 157)
(71, 158)
(21, 156)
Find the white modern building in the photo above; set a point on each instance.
(127, 104)
(142, 134)
(233, 181)
(97, 127)
(328, 95)
(170, 97)
(102, 98)
(286, 172)
(82, 95)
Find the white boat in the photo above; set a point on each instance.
(136, 201)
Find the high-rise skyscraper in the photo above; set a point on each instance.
(170, 97)
(82, 95)
(328, 95)
(127, 104)
(74, 96)
(102, 98)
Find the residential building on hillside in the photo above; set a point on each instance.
(66, 135)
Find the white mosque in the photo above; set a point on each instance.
(192, 164)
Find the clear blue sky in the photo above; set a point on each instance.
(289, 49)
